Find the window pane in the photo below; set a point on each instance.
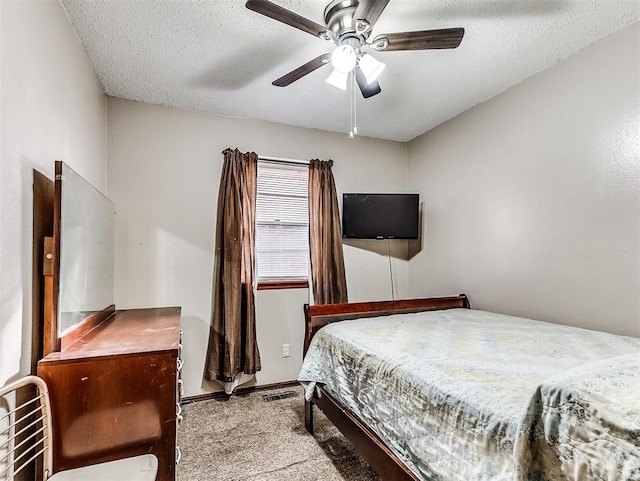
(281, 208)
(282, 231)
(272, 179)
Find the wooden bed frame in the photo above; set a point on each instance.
(367, 443)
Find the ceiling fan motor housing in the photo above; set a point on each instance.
(338, 16)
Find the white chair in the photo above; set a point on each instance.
(26, 436)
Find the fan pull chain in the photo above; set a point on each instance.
(354, 88)
(350, 93)
(352, 105)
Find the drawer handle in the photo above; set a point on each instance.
(178, 412)
(180, 364)
(178, 455)
(181, 387)
(181, 331)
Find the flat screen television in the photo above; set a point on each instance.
(380, 216)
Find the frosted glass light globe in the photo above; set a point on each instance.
(338, 79)
(371, 68)
(344, 58)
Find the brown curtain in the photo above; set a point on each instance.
(325, 239)
(233, 348)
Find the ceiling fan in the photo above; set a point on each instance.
(348, 25)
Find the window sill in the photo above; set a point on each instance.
(294, 284)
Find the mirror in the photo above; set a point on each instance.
(85, 245)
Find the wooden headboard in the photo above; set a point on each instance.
(319, 316)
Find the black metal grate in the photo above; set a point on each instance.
(279, 395)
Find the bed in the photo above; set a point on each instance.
(431, 389)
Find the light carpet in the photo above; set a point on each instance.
(247, 438)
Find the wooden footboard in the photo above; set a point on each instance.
(365, 441)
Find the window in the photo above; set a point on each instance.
(282, 225)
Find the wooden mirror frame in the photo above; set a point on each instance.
(53, 341)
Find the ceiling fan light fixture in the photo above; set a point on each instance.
(371, 67)
(338, 79)
(344, 58)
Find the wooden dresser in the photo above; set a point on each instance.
(116, 391)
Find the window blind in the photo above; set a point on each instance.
(282, 222)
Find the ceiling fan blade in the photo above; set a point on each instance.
(421, 40)
(368, 90)
(370, 10)
(302, 70)
(283, 15)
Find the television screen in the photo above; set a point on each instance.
(380, 216)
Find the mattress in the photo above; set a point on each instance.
(463, 394)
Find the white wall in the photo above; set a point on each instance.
(532, 198)
(53, 107)
(164, 172)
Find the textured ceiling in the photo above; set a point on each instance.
(218, 56)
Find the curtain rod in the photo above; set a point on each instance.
(280, 160)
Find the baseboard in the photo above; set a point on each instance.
(242, 390)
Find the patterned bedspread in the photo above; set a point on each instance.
(468, 395)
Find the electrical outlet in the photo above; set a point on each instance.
(285, 350)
